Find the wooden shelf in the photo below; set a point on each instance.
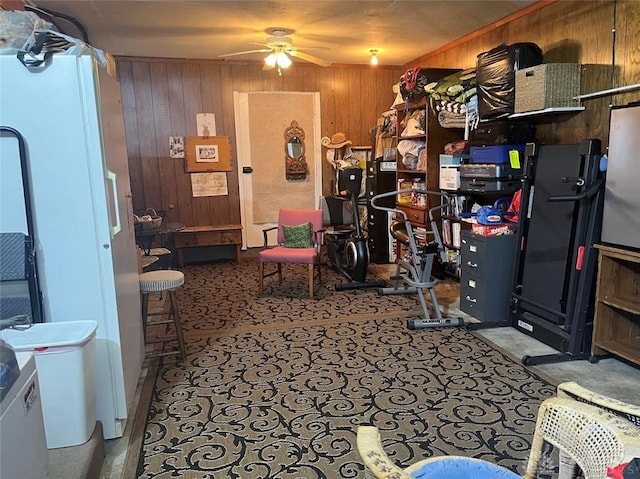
(628, 349)
(624, 304)
(616, 322)
(412, 106)
(548, 115)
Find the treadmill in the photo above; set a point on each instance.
(561, 219)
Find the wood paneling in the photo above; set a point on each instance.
(161, 96)
(568, 32)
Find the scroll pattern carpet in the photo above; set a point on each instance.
(275, 387)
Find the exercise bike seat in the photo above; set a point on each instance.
(399, 232)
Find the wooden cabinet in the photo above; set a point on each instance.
(616, 323)
(487, 267)
(206, 236)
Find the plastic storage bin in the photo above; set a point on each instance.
(65, 354)
(495, 154)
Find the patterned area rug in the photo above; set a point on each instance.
(222, 298)
(275, 387)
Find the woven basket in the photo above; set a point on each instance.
(549, 85)
(146, 224)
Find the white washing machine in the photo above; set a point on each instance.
(23, 447)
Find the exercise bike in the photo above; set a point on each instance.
(414, 270)
(346, 245)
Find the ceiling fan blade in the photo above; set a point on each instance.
(308, 58)
(244, 53)
(304, 49)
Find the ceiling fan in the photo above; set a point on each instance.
(280, 47)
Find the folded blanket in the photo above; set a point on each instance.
(450, 106)
(448, 119)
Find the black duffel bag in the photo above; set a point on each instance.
(502, 132)
(496, 78)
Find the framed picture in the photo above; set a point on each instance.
(207, 154)
(176, 147)
(362, 153)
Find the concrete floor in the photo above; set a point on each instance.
(609, 376)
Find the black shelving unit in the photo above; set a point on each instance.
(380, 179)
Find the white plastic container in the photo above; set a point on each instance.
(65, 354)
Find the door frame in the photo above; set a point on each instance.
(252, 233)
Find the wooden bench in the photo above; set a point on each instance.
(199, 236)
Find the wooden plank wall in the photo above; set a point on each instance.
(568, 32)
(162, 97)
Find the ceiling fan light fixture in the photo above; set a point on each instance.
(374, 57)
(271, 60)
(283, 60)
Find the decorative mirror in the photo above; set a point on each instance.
(296, 164)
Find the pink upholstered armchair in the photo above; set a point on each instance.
(299, 238)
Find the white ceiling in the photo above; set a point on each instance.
(336, 31)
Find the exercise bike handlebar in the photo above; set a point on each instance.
(376, 198)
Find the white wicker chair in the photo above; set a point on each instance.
(572, 390)
(586, 435)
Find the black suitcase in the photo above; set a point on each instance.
(489, 171)
(494, 185)
(496, 78)
(502, 132)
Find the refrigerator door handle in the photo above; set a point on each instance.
(115, 229)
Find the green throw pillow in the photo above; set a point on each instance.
(298, 236)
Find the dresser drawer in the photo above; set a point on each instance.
(472, 295)
(487, 256)
(417, 216)
(473, 252)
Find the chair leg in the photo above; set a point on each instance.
(177, 324)
(311, 274)
(145, 310)
(280, 272)
(260, 277)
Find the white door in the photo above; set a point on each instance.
(261, 119)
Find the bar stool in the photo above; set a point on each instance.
(164, 255)
(158, 282)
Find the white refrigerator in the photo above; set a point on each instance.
(70, 115)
